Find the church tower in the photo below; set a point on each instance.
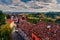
(23, 18)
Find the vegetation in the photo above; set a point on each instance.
(5, 32)
(52, 14)
(47, 17)
(57, 21)
(2, 18)
(46, 20)
(33, 18)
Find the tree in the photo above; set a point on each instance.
(2, 18)
(57, 21)
(5, 32)
(1, 13)
(46, 20)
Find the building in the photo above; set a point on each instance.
(40, 31)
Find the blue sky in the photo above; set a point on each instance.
(29, 0)
(25, 0)
(10, 1)
(58, 1)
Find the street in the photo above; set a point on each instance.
(17, 36)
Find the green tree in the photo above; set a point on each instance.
(5, 32)
(2, 18)
(57, 21)
(46, 20)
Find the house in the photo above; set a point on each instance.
(11, 22)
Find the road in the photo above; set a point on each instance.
(17, 36)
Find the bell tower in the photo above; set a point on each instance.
(23, 18)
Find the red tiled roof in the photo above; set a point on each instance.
(40, 29)
(26, 27)
(9, 21)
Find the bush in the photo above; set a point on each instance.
(5, 32)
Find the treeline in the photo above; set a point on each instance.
(2, 18)
(51, 15)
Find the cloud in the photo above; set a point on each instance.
(27, 7)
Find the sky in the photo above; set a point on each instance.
(10, 1)
(29, 0)
(58, 1)
(17, 8)
(25, 0)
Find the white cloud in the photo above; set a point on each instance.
(31, 7)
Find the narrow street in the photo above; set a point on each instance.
(17, 36)
(17, 33)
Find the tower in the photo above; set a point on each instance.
(23, 18)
